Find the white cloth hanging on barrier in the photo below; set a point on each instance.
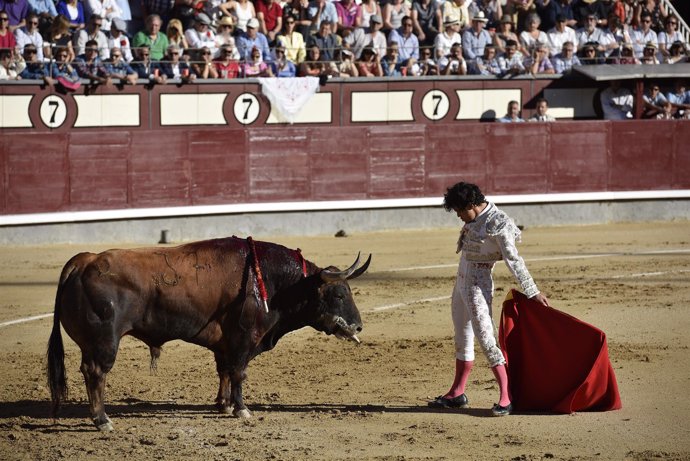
(288, 95)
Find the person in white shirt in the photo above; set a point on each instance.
(542, 115)
(445, 40)
(643, 35)
(93, 32)
(616, 102)
(669, 36)
(591, 34)
(560, 34)
(200, 35)
(118, 39)
(106, 9)
(29, 34)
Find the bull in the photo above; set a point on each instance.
(233, 296)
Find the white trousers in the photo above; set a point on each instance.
(471, 311)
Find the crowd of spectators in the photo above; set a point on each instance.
(186, 40)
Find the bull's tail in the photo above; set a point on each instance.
(57, 378)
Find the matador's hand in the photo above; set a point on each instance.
(541, 299)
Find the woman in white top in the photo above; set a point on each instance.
(393, 13)
(669, 35)
(107, 9)
(242, 10)
(531, 35)
(368, 9)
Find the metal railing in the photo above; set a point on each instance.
(682, 25)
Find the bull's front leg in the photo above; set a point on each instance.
(237, 377)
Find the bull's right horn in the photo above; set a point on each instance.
(328, 275)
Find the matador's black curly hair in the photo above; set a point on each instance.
(461, 196)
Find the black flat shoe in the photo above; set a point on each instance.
(460, 401)
(498, 410)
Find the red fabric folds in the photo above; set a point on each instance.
(555, 362)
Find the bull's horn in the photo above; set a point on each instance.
(361, 270)
(332, 276)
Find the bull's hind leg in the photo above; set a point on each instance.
(95, 372)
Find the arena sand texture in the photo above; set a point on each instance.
(316, 397)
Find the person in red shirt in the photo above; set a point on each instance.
(7, 40)
(225, 65)
(270, 16)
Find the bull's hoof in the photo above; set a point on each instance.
(226, 410)
(106, 426)
(243, 413)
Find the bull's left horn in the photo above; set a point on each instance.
(351, 272)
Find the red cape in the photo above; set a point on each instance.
(555, 362)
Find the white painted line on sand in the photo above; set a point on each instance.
(25, 319)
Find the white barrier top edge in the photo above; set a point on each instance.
(334, 205)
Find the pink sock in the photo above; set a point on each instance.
(462, 374)
(502, 378)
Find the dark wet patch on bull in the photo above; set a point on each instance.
(160, 278)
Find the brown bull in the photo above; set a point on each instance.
(207, 293)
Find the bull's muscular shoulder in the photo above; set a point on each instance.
(499, 222)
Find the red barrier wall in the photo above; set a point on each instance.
(114, 169)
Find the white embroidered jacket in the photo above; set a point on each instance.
(492, 237)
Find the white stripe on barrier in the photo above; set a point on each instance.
(438, 266)
(334, 205)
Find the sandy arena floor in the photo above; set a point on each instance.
(315, 397)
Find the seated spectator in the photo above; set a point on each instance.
(616, 102)
(584, 9)
(487, 64)
(74, 12)
(375, 37)
(255, 66)
(453, 63)
(90, 66)
(251, 39)
(564, 61)
(666, 111)
(654, 100)
(322, 10)
(175, 69)
(46, 11)
(226, 66)
(426, 21)
(349, 15)
(446, 39)
(325, 40)
(520, 10)
(670, 35)
(270, 16)
(200, 35)
(315, 66)
(391, 64)
(243, 10)
(592, 36)
(627, 56)
(203, 64)
(281, 66)
(118, 39)
(295, 49)
(643, 35)
(152, 37)
(492, 10)
(475, 38)
(560, 34)
(539, 62)
(532, 35)
(146, 68)
(61, 69)
(649, 54)
(10, 69)
(456, 10)
(346, 66)
(368, 65)
(511, 61)
(542, 115)
(588, 55)
(504, 33)
(7, 40)
(513, 114)
(176, 35)
(118, 68)
(106, 9)
(615, 36)
(298, 10)
(680, 98)
(408, 44)
(59, 37)
(93, 33)
(426, 65)
(29, 34)
(35, 69)
(16, 11)
(392, 13)
(367, 9)
(224, 36)
(677, 53)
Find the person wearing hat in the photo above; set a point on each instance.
(200, 34)
(270, 16)
(627, 55)
(224, 36)
(476, 37)
(242, 10)
(106, 9)
(93, 32)
(560, 34)
(504, 33)
(649, 54)
(119, 39)
(251, 39)
(152, 37)
(375, 37)
(445, 40)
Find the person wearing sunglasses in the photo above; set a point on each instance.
(7, 40)
(119, 39)
(118, 68)
(174, 68)
(295, 48)
(29, 34)
(35, 69)
(669, 36)
(147, 68)
(202, 65)
(654, 101)
(106, 9)
(9, 67)
(90, 66)
(225, 65)
(93, 32)
(643, 35)
(61, 72)
(224, 36)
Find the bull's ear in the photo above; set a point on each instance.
(361, 270)
(328, 275)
